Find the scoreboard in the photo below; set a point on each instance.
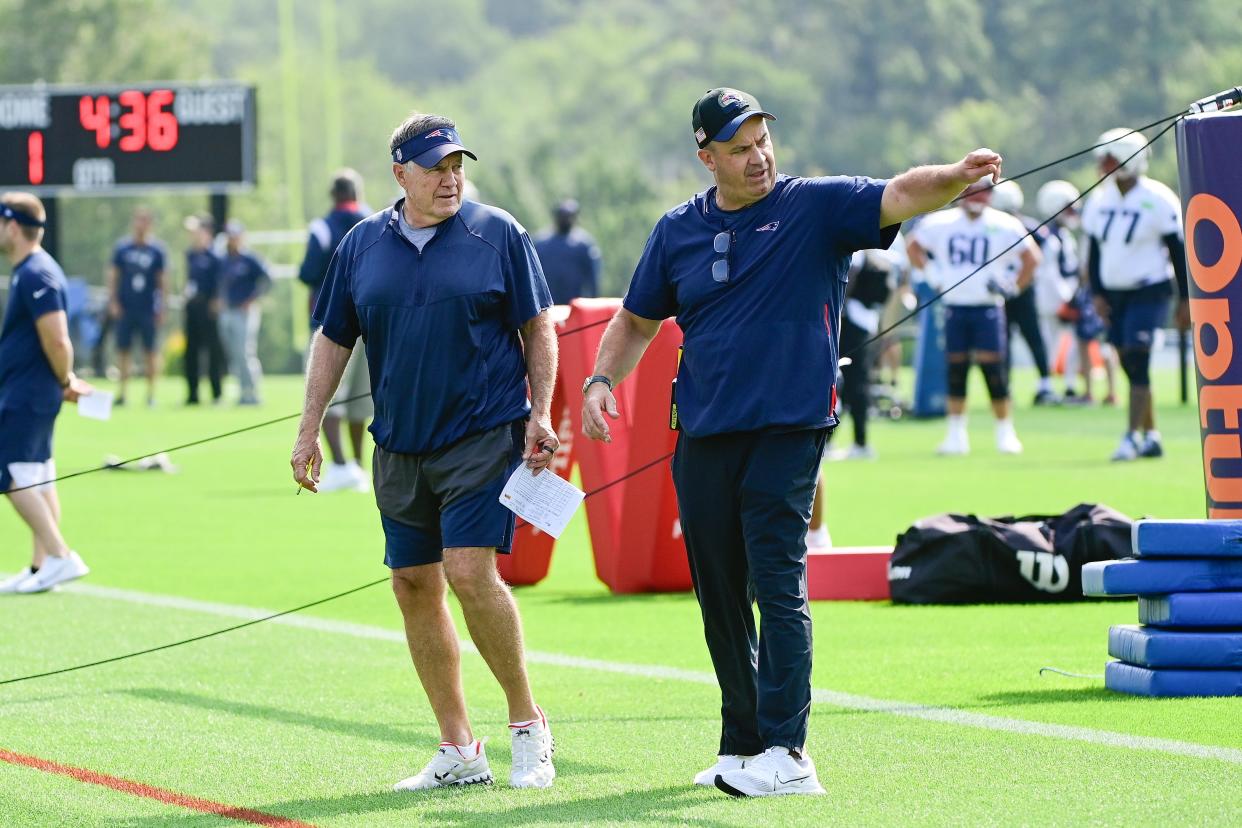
(96, 140)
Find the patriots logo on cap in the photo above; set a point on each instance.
(728, 97)
(440, 133)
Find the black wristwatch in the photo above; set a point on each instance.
(594, 378)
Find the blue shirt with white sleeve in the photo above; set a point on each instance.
(760, 349)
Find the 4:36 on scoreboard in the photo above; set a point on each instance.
(99, 139)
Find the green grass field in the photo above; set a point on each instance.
(924, 715)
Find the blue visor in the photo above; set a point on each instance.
(7, 212)
(427, 148)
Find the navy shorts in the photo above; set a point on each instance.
(447, 498)
(974, 328)
(25, 448)
(1135, 315)
(130, 325)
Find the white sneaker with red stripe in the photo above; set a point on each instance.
(532, 753)
(452, 765)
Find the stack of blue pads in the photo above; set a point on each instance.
(1188, 576)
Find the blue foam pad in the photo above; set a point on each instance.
(1156, 577)
(1153, 647)
(1143, 681)
(1187, 538)
(1191, 609)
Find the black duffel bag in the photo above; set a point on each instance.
(964, 559)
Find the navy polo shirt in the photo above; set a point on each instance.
(26, 379)
(321, 242)
(440, 326)
(138, 268)
(245, 278)
(571, 263)
(760, 351)
(203, 275)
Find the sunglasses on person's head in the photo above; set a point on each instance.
(722, 244)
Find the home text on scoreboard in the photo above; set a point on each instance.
(97, 140)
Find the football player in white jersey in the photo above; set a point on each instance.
(1020, 310)
(950, 246)
(1134, 227)
(1057, 277)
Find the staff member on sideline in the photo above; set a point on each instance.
(245, 281)
(136, 299)
(754, 269)
(452, 305)
(353, 399)
(569, 256)
(36, 374)
(203, 271)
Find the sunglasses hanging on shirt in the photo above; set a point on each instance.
(722, 243)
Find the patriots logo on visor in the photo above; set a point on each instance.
(727, 98)
(441, 133)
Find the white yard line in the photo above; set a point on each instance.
(943, 715)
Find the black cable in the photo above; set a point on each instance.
(1175, 116)
(212, 634)
(254, 621)
(933, 300)
(264, 424)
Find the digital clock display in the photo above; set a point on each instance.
(96, 140)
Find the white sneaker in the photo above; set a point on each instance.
(10, 584)
(724, 763)
(337, 477)
(54, 571)
(854, 452)
(1007, 441)
(452, 765)
(532, 753)
(956, 443)
(1127, 449)
(774, 773)
(819, 538)
(362, 480)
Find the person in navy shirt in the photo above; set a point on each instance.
(136, 288)
(203, 278)
(754, 269)
(450, 302)
(353, 399)
(569, 256)
(36, 375)
(245, 281)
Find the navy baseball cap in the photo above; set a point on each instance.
(426, 149)
(719, 113)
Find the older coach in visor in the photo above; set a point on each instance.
(754, 269)
(450, 302)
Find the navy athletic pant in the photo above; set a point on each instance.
(745, 502)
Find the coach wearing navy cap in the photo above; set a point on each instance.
(754, 269)
(450, 302)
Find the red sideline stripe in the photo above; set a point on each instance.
(193, 803)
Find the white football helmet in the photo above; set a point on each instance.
(1054, 196)
(1121, 143)
(1007, 197)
